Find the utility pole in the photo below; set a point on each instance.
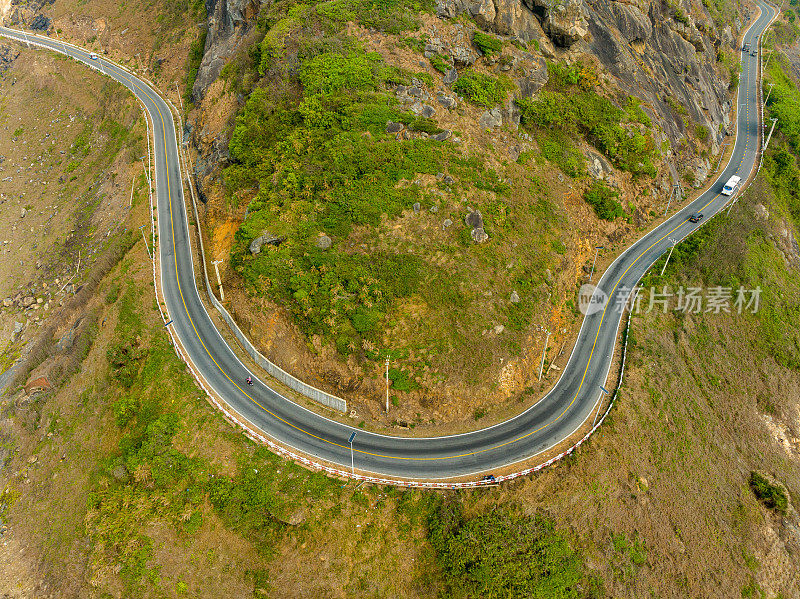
(544, 352)
(147, 247)
(352, 463)
(768, 93)
(669, 256)
(597, 249)
(133, 184)
(387, 384)
(774, 121)
(139, 62)
(219, 281)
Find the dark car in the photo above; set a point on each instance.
(753, 53)
(695, 217)
(746, 47)
(489, 478)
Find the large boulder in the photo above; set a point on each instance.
(564, 21)
(266, 238)
(491, 119)
(535, 77)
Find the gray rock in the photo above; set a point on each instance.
(534, 79)
(514, 299)
(446, 223)
(479, 235)
(40, 23)
(417, 108)
(511, 114)
(18, 327)
(428, 111)
(7, 302)
(392, 127)
(491, 119)
(442, 136)
(446, 101)
(417, 207)
(597, 165)
(23, 212)
(66, 341)
(434, 209)
(323, 242)
(484, 12)
(450, 77)
(28, 301)
(463, 56)
(474, 219)
(415, 92)
(266, 238)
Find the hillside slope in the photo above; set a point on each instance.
(430, 185)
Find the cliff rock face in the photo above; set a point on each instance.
(664, 61)
(228, 22)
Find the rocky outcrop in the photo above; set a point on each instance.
(266, 238)
(651, 54)
(228, 22)
(7, 56)
(564, 21)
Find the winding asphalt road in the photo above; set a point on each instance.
(551, 420)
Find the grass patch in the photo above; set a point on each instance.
(504, 553)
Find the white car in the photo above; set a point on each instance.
(93, 56)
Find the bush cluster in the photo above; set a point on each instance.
(772, 496)
(482, 89)
(572, 108)
(603, 199)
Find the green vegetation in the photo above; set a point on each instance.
(504, 553)
(483, 89)
(311, 144)
(193, 63)
(487, 44)
(569, 106)
(331, 72)
(681, 16)
(440, 64)
(389, 16)
(772, 496)
(603, 199)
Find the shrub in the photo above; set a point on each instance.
(772, 496)
(559, 149)
(440, 64)
(332, 72)
(573, 111)
(504, 554)
(482, 89)
(603, 199)
(487, 44)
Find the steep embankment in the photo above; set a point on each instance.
(446, 226)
